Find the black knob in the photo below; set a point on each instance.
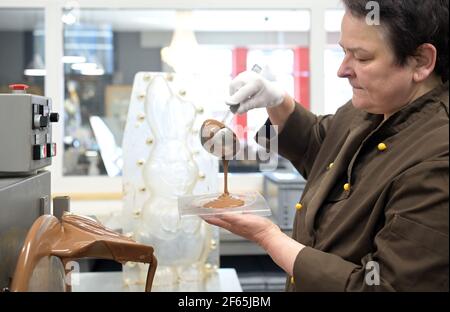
(54, 117)
(43, 122)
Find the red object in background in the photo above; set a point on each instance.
(301, 72)
(239, 56)
(301, 76)
(18, 86)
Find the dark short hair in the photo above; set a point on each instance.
(410, 23)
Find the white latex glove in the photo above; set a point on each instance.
(251, 90)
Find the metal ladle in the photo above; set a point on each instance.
(218, 139)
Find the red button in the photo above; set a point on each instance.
(43, 151)
(18, 86)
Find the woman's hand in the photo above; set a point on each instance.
(281, 248)
(249, 226)
(251, 90)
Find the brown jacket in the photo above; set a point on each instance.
(382, 206)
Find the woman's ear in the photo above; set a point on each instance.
(425, 61)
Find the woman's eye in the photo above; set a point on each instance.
(363, 57)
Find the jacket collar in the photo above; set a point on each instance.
(407, 115)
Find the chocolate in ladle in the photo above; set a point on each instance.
(228, 140)
(210, 128)
(73, 238)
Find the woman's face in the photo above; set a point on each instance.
(379, 85)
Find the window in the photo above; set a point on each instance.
(337, 90)
(140, 29)
(22, 57)
(104, 49)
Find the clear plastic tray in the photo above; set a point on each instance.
(255, 203)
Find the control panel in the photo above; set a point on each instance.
(25, 131)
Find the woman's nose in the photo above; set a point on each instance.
(345, 70)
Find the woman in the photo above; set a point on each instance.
(374, 213)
